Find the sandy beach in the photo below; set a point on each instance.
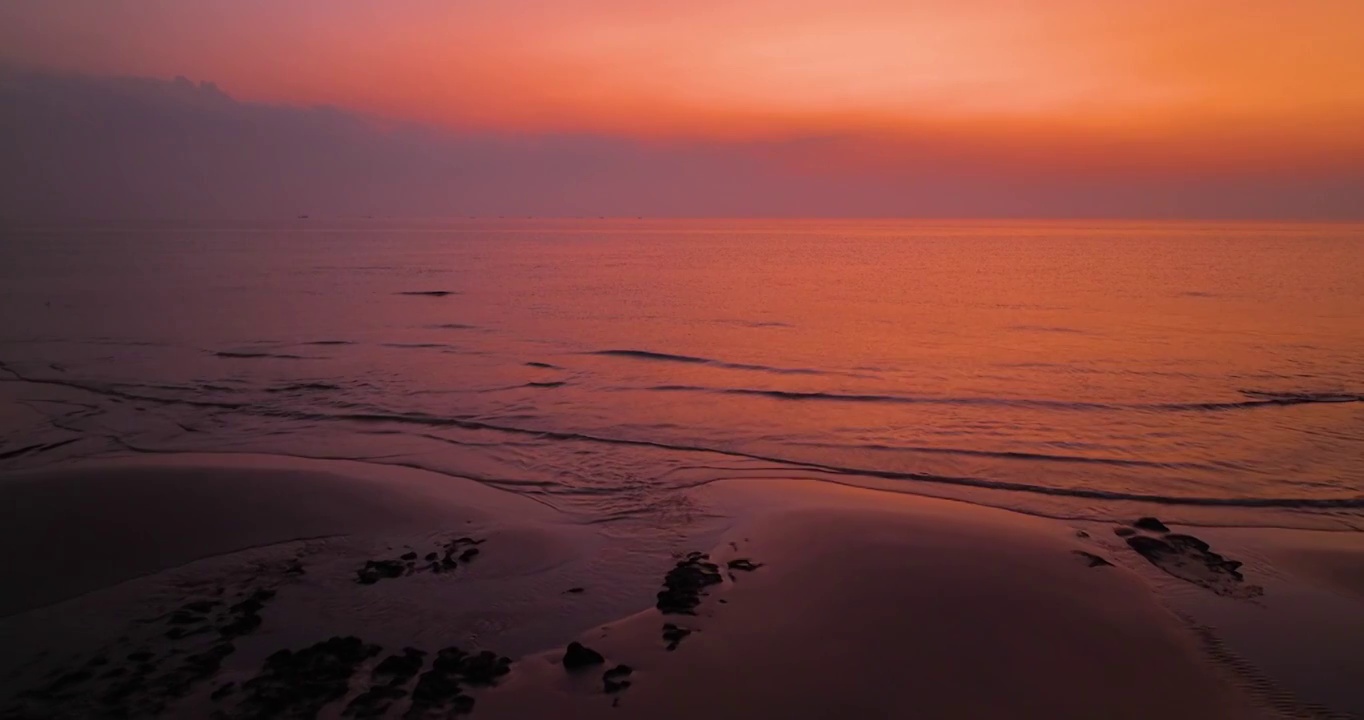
(252, 586)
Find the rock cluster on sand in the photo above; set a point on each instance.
(439, 691)
(142, 683)
(387, 681)
(406, 564)
(246, 614)
(299, 683)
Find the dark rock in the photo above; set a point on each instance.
(1149, 546)
(484, 668)
(743, 564)
(254, 603)
(75, 677)
(576, 590)
(673, 635)
(1151, 524)
(300, 683)
(1124, 532)
(579, 656)
(468, 555)
(685, 583)
(295, 567)
(181, 617)
(241, 625)
(1189, 558)
(618, 672)
(376, 570)
(119, 693)
(431, 557)
(1092, 559)
(374, 702)
(1187, 541)
(1081, 534)
(398, 669)
(438, 689)
(246, 614)
(408, 556)
(223, 691)
(449, 660)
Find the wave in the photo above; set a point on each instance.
(1008, 455)
(1261, 399)
(650, 355)
(963, 481)
(38, 448)
(302, 387)
(452, 326)
(546, 366)
(691, 360)
(251, 354)
(1296, 398)
(428, 293)
(757, 323)
(122, 395)
(329, 342)
(1047, 329)
(553, 384)
(424, 420)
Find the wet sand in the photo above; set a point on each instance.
(258, 587)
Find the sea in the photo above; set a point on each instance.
(1205, 373)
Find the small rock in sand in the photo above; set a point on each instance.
(579, 656)
(1093, 560)
(612, 681)
(673, 635)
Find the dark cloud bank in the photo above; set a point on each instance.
(80, 147)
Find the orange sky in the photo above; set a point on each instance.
(1216, 83)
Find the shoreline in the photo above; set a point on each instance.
(806, 614)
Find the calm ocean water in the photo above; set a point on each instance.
(1206, 373)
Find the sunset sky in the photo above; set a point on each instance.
(1170, 88)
